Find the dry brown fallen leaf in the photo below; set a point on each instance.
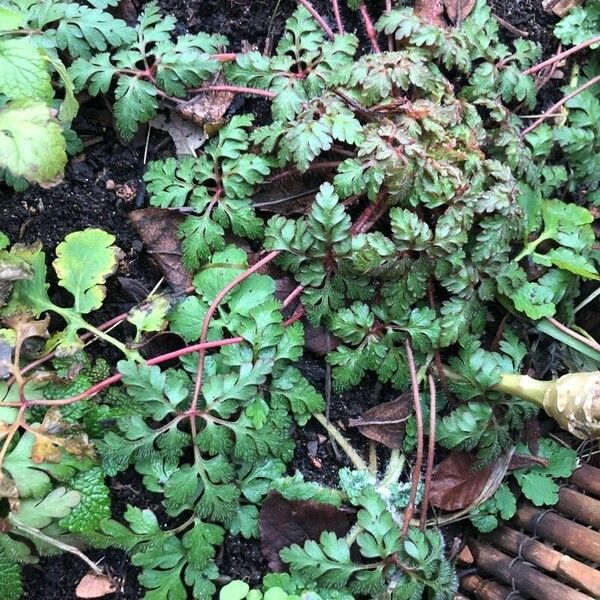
(385, 422)
(430, 11)
(186, 136)
(207, 109)
(455, 485)
(93, 585)
(459, 10)
(285, 522)
(157, 227)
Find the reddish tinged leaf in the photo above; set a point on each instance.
(284, 522)
(385, 422)
(430, 11)
(158, 229)
(455, 485)
(458, 10)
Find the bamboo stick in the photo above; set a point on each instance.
(484, 589)
(572, 571)
(587, 478)
(571, 536)
(584, 509)
(517, 574)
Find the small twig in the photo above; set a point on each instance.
(333, 431)
(416, 472)
(235, 89)
(317, 17)
(577, 336)
(57, 544)
(338, 19)
(561, 55)
(587, 300)
(368, 23)
(560, 103)
(430, 452)
(510, 27)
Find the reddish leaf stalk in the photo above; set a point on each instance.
(209, 315)
(370, 29)
(236, 89)
(317, 166)
(92, 391)
(390, 37)
(293, 295)
(430, 452)
(366, 219)
(317, 17)
(416, 472)
(561, 55)
(437, 356)
(224, 57)
(336, 12)
(298, 314)
(548, 113)
(574, 334)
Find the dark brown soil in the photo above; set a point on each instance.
(84, 200)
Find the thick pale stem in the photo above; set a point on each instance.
(524, 387)
(394, 468)
(334, 432)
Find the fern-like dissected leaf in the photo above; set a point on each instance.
(179, 66)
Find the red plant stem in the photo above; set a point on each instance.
(293, 295)
(298, 314)
(430, 452)
(416, 472)
(92, 391)
(390, 37)
(209, 315)
(561, 56)
(318, 166)
(371, 33)
(235, 89)
(224, 57)
(574, 334)
(548, 113)
(317, 17)
(363, 221)
(338, 19)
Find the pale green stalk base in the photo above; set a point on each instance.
(334, 432)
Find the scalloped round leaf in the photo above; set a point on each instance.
(83, 262)
(31, 142)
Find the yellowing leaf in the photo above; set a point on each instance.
(31, 141)
(23, 71)
(84, 260)
(10, 19)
